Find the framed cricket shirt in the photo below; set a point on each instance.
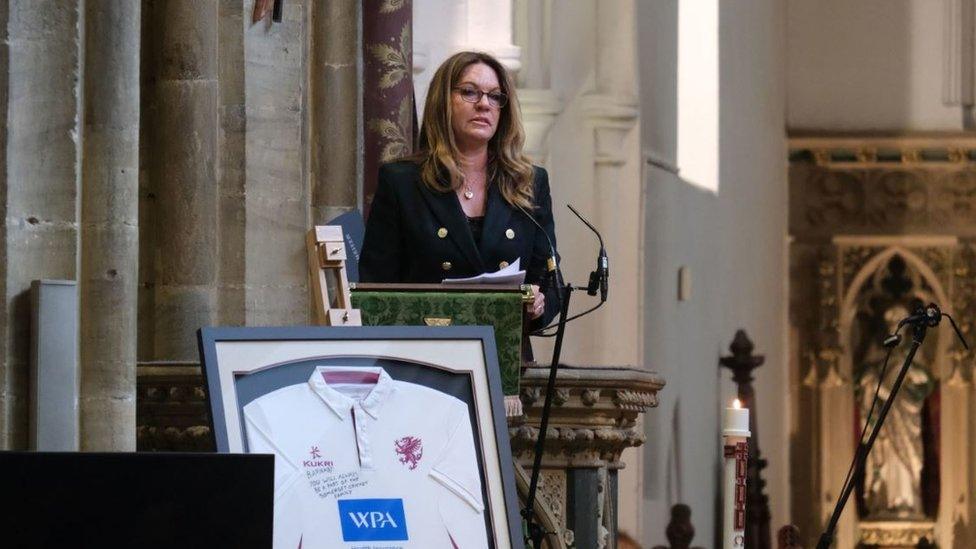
(367, 462)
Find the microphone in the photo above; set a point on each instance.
(931, 314)
(551, 277)
(603, 267)
(600, 278)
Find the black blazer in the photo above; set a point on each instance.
(415, 234)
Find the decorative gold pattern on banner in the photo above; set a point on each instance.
(390, 6)
(393, 59)
(392, 134)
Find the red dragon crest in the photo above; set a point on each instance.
(410, 450)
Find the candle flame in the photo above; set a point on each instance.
(736, 404)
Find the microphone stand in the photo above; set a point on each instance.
(597, 282)
(920, 325)
(535, 530)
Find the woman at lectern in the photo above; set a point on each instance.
(468, 201)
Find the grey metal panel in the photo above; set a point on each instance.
(54, 380)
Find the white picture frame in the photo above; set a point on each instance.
(243, 364)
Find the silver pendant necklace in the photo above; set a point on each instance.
(468, 191)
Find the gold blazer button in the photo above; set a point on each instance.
(503, 264)
(442, 232)
(446, 265)
(510, 234)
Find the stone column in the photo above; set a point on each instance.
(39, 105)
(277, 167)
(958, 54)
(181, 119)
(445, 27)
(611, 110)
(540, 105)
(490, 30)
(334, 108)
(231, 160)
(387, 87)
(109, 225)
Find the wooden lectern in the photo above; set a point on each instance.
(372, 304)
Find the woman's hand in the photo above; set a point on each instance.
(538, 305)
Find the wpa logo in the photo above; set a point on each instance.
(372, 520)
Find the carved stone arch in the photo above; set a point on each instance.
(939, 294)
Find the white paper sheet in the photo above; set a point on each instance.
(509, 275)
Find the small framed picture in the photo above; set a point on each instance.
(391, 436)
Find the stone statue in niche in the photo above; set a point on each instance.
(900, 479)
(893, 471)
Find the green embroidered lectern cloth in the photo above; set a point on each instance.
(436, 305)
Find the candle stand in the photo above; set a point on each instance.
(742, 362)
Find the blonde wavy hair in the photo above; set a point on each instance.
(437, 152)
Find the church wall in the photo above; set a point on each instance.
(869, 65)
(732, 244)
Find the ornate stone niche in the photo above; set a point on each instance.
(870, 234)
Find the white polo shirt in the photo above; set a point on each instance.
(366, 462)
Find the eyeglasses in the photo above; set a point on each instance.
(496, 99)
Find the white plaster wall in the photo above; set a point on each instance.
(733, 243)
(869, 64)
(753, 196)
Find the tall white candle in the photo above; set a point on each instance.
(735, 433)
